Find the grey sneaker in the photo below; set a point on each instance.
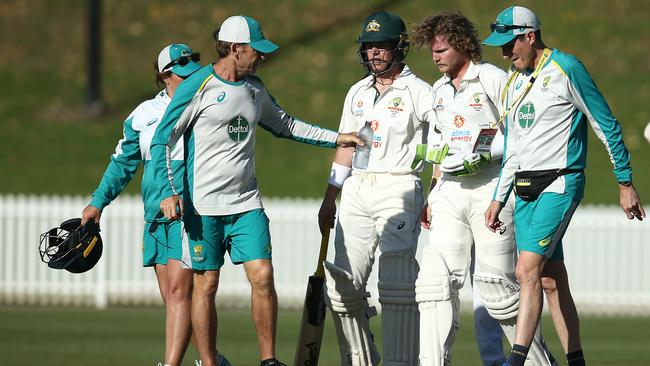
(221, 361)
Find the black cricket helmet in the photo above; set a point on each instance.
(71, 246)
(382, 26)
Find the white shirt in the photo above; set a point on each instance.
(463, 112)
(399, 117)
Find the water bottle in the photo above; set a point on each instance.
(362, 153)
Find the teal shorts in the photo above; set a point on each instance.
(159, 242)
(245, 236)
(541, 224)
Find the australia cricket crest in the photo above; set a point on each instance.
(197, 250)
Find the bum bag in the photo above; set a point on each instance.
(529, 184)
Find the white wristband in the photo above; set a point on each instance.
(339, 174)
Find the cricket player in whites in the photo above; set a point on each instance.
(548, 102)
(467, 144)
(381, 203)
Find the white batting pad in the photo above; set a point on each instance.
(439, 305)
(350, 311)
(400, 316)
(501, 298)
(499, 294)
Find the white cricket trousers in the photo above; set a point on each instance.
(377, 209)
(458, 206)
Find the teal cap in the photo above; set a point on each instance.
(510, 23)
(179, 59)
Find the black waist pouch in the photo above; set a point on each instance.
(529, 184)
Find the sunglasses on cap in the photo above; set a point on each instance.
(504, 28)
(183, 60)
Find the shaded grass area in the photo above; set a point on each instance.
(54, 145)
(135, 336)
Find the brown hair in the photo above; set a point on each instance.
(455, 28)
(222, 47)
(160, 76)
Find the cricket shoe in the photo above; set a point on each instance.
(272, 362)
(221, 361)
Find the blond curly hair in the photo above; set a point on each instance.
(455, 28)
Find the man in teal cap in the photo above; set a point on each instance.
(214, 114)
(548, 102)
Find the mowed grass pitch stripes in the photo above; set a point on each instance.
(135, 336)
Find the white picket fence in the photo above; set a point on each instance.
(605, 253)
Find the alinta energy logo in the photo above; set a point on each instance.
(238, 128)
(526, 115)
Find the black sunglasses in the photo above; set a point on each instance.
(184, 60)
(504, 28)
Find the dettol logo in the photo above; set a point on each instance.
(526, 115)
(238, 128)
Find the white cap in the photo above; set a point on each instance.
(646, 132)
(243, 29)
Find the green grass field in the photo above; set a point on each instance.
(135, 336)
(52, 145)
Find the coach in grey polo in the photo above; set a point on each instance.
(215, 114)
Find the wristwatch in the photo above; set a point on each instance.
(625, 183)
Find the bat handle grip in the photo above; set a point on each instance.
(320, 270)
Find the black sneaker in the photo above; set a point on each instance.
(272, 362)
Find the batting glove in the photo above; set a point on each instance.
(437, 153)
(464, 163)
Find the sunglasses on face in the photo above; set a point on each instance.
(184, 60)
(504, 28)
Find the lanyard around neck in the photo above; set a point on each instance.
(513, 77)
